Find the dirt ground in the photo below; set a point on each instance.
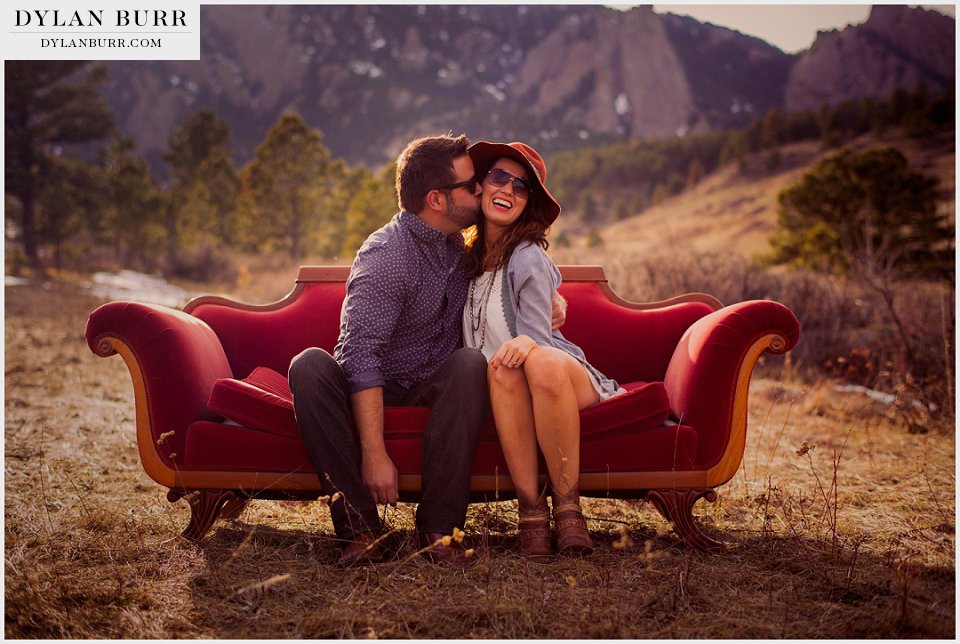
(839, 523)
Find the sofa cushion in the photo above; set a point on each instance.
(263, 401)
(643, 407)
(260, 401)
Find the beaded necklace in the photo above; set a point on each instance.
(478, 317)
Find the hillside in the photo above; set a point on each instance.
(560, 77)
(730, 212)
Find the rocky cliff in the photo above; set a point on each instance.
(896, 47)
(372, 77)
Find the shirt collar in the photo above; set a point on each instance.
(427, 233)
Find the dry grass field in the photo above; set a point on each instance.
(839, 523)
(735, 213)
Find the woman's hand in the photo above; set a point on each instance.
(513, 352)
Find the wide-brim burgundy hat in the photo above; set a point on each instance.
(484, 154)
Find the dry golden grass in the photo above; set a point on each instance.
(863, 549)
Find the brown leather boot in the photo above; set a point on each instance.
(450, 555)
(572, 535)
(365, 548)
(534, 528)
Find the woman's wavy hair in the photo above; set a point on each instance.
(532, 225)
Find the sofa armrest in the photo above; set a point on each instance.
(174, 360)
(708, 377)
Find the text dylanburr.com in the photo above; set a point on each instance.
(61, 31)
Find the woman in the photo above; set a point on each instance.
(538, 380)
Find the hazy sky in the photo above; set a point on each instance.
(789, 27)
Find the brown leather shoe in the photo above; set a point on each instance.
(534, 529)
(366, 548)
(450, 556)
(573, 538)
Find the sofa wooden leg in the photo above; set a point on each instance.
(676, 506)
(205, 506)
(234, 508)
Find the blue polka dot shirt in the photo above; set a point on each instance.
(402, 315)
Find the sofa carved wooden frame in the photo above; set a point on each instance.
(224, 494)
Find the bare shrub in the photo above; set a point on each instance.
(206, 261)
(846, 330)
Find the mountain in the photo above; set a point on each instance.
(896, 47)
(559, 77)
(734, 77)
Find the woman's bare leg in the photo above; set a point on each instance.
(513, 413)
(559, 387)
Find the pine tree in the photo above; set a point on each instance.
(868, 214)
(72, 198)
(868, 211)
(49, 104)
(286, 185)
(372, 206)
(134, 219)
(204, 183)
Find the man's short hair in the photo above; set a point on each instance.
(425, 165)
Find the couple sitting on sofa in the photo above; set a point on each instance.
(431, 320)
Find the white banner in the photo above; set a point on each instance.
(105, 30)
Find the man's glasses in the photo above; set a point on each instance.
(470, 184)
(500, 178)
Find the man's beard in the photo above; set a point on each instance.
(463, 216)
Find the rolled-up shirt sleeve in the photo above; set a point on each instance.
(373, 304)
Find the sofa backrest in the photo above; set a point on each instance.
(624, 340)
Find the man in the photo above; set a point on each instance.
(400, 345)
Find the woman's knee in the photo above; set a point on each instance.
(505, 378)
(546, 372)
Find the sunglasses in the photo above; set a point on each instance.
(499, 178)
(470, 184)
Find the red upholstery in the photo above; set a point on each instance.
(645, 339)
(633, 345)
(218, 447)
(263, 401)
(702, 375)
(180, 358)
(643, 407)
(271, 339)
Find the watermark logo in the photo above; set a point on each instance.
(107, 31)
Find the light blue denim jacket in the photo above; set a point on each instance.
(528, 285)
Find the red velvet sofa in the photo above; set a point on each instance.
(215, 418)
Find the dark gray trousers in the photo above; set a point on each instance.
(457, 395)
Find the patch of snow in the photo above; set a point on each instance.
(881, 396)
(583, 134)
(494, 92)
(137, 287)
(379, 43)
(10, 280)
(364, 68)
(621, 104)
